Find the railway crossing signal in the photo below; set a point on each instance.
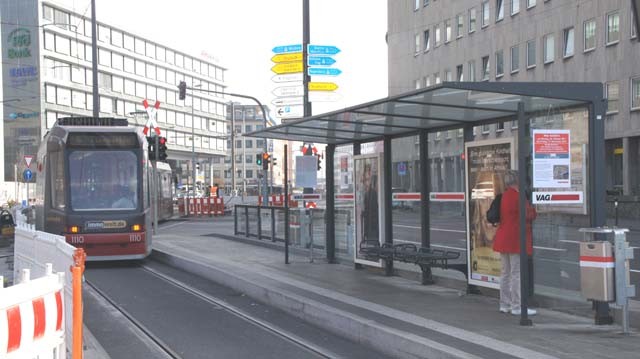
(151, 143)
(162, 149)
(265, 160)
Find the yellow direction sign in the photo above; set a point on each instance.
(290, 57)
(322, 86)
(287, 67)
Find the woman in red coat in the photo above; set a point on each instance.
(507, 243)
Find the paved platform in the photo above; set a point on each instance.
(394, 314)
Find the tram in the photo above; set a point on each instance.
(93, 187)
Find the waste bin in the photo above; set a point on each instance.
(596, 271)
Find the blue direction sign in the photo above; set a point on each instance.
(285, 49)
(322, 50)
(323, 71)
(27, 175)
(320, 61)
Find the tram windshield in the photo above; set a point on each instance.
(103, 180)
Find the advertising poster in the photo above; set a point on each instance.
(368, 199)
(551, 159)
(486, 162)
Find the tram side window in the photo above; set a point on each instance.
(56, 163)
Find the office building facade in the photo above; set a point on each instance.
(433, 41)
(47, 74)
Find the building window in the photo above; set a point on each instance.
(531, 54)
(448, 76)
(447, 31)
(427, 81)
(612, 94)
(460, 25)
(514, 125)
(427, 44)
(436, 78)
(426, 2)
(613, 28)
(633, 26)
(472, 20)
(499, 64)
(472, 70)
(485, 68)
(515, 7)
(417, 51)
(531, 3)
(548, 52)
(417, 84)
(499, 10)
(437, 30)
(486, 129)
(515, 59)
(635, 93)
(486, 15)
(589, 35)
(499, 126)
(416, 6)
(249, 173)
(567, 49)
(459, 73)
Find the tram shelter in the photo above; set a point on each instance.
(576, 110)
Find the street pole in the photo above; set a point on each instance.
(155, 183)
(193, 149)
(244, 155)
(94, 60)
(233, 146)
(305, 43)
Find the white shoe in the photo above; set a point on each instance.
(529, 311)
(505, 309)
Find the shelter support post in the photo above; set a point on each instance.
(425, 188)
(468, 137)
(523, 149)
(356, 152)
(286, 204)
(597, 194)
(388, 215)
(330, 220)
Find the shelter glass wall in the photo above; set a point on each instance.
(344, 201)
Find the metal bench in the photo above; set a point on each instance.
(409, 253)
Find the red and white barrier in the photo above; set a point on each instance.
(207, 206)
(278, 201)
(31, 317)
(413, 196)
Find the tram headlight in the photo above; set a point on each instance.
(74, 229)
(136, 227)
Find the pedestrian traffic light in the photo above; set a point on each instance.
(265, 160)
(182, 90)
(162, 149)
(319, 162)
(151, 147)
(259, 159)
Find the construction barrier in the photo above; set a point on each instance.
(32, 250)
(31, 317)
(207, 206)
(278, 201)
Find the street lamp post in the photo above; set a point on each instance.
(193, 142)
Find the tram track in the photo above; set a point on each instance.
(215, 303)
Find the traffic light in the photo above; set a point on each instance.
(274, 162)
(162, 149)
(151, 146)
(265, 160)
(319, 162)
(259, 159)
(182, 90)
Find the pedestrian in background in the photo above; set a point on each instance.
(507, 243)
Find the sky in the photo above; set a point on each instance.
(242, 34)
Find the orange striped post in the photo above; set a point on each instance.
(77, 270)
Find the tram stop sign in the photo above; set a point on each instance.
(27, 175)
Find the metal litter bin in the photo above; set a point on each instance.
(596, 271)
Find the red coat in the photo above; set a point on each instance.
(507, 239)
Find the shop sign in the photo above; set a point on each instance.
(19, 43)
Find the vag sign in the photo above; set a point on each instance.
(18, 43)
(557, 197)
